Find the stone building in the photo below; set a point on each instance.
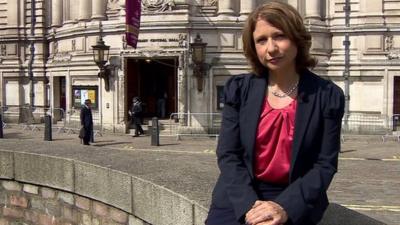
(46, 57)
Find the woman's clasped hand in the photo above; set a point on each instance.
(266, 213)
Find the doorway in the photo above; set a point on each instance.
(154, 80)
(396, 95)
(396, 103)
(59, 98)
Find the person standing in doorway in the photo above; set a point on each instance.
(136, 114)
(87, 121)
(161, 104)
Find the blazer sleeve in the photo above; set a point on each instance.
(234, 173)
(305, 193)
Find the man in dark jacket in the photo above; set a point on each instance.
(87, 121)
(136, 113)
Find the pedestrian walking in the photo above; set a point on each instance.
(280, 134)
(136, 113)
(86, 122)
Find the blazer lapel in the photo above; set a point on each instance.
(253, 108)
(305, 105)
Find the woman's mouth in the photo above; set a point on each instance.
(274, 60)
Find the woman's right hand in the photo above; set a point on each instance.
(266, 213)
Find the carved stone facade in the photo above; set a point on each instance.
(158, 5)
(65, 30)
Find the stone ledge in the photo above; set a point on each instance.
(141, 198)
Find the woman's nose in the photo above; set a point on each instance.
(271, 47)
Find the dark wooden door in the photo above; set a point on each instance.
(151, 78)
(396, 95)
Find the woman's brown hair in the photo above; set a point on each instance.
(286, 18)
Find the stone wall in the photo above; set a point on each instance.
(40, 189)
(23, 203)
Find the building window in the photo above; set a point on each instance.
(81, 93)
(220, 97)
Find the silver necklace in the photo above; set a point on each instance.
(286, 93)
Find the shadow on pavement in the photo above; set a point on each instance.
(340, 215)
(109, 144)
(16, 136)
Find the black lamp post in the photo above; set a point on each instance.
(100, 57)
(198, 49)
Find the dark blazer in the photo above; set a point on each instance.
(86, 117)
(315, 149)
(137, 111)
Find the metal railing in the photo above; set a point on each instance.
(32, 118)
(73, 122)
(192, 124)
(394, 132)
(208, 124)
(363, 123)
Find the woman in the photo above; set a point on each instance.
(280, 135)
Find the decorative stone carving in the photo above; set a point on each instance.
(124, 44)
(388, 42)
(55, 47)
(182, 40)
(61, 58)
(73, 45)
(392, 53)
(3, 50)
(113, 4)
(212, 2)
(158, 5)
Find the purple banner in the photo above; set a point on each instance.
(133, 10)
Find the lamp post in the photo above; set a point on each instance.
(198, 49)
(346, 72)
(100, 57)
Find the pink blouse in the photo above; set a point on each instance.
(273, 147)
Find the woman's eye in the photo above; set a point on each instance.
(261, 41)
(280, 36)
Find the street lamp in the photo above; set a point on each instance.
(198, 49)
(100, 57)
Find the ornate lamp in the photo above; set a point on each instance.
(198, 49)
(100, 57)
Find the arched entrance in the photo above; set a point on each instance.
(154, 80)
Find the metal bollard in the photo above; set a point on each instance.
(155, 132)
(47, 128)
(1, 127)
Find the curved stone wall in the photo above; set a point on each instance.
(53, 190)
(32, 204)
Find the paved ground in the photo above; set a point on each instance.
(368, 180)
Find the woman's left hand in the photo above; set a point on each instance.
(266, 213)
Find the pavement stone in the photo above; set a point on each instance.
(367, 180)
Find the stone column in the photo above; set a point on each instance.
(74, 10)
(225, 7)
(247, 6)
(98, 9)
(313, 9)
(57, 13)
(12, 12)
(85, 9)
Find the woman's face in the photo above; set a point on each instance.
(274, 49)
